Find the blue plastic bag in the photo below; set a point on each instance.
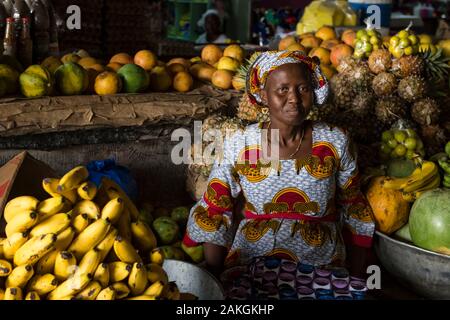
(119, 174)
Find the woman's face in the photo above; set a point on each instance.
(288, 94)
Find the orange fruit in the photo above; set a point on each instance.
(122, 58)
(286, 42)
(87, 62)
(160, 79)
(211, 54)
(296, 47)
(114, 66)
(183, 82)
(222, 79)
(145, 59)
(227, 63)
(326, 33)
(174, 68)
(107, 83)
(186, 63)
(98, 67)
(311, 42)
(327, 70)
(234, 51)
(348, 37)
(338, 52)
(321, 53)
(328, 44)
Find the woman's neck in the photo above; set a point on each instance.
(287, 133)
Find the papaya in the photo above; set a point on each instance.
(36, 82)
(71, 79)
(10, 77)
(51, 63)
(134, 78)
(166, 230)
(172, 252)
(390, 210)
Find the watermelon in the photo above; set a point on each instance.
(403, 233)
(400, 168)
(429, 221)
(134, 78)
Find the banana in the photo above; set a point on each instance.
(156, 273)
(13, 293)
(64, 239)
(54, 224)
(70, 287)
(119, 271)
(114, 191)
(5, 268)
(65, 265)
(79, 223)
(102, 274)
(121, 289)
(21, 222)
(172, 292)
(42, 284)
(124, 225)
(50, 185)
(47, 263)
(67, 207)
(32, 296)
(20, 276)
(72, 179)
(445, 165)
(143, 297)
(88, 207)
(2, 294)
(113, 209)
(90, 292)
(125, 251)
(23, 203)
(428, 170)
(50, 206)
(34, 249)
(87, 190)
(89, 262)
(13, 243)
(107, 294)
(143, 236)
(155, 289)
(137, 280)
(157, 256)
(107, 243)
(2, 251)
(89, 237)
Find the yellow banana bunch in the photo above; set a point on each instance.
(32, 296)
(21, 222)
(2, 294)
(89, 262)
(2, 252)
(107, 294)
(80, 222)
(113, 209)
(64, 239)
(50, 185)
(107, 243)
(5, 268)
(137, 280)
(114, 191)
(124, 225)
(156, 273)
(125, 251)
(72, 286)
(13, 243)
(22, 203)
(121, 289)
(89, 237)
(119, 271)
(87, 190)
(157, 256)
(42, 284)
(50, 206)
(13, 294)
(143, 297)
(414, 195)
(65, 265)
(156, 289)
(34, 249)
(54, 224)
(420, 176)
(72, 179)
(20, 276)
(86, 207)
(143, 236)
(90, 292)
(47, 263)
(102, 274)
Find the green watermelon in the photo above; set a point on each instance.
(400, 168)
(403, 233)
(134, 78)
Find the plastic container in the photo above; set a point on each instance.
(360, 6)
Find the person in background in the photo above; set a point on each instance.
(213, 28)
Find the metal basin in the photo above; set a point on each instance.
(425, 272)
(193, 279)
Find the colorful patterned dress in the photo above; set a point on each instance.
(302, 210)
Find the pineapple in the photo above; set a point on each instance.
(359, 76)
(434, 138)
(379, 61)
(408, 66)
(436, 69)
(348, 63)
(412, 88)
(384, 84)
(321, 113)
(241, 74)
(247, 110)
(390, 109)
(425, 112)
(342, 90)
(362, 103)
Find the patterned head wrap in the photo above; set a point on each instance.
(269, 61)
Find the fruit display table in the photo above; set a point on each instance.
(135, 130)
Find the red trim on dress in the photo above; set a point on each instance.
(188, 241)
(290, 215)
(357, 240)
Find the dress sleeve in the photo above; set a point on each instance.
(211, 218)
(358, 222)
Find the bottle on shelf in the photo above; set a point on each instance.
(9, 41)
(53, 28)
(20, 10)
(3, 16)
(40, 31)
(25, 45)
(8, 4)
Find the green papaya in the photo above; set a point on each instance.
(166, 230)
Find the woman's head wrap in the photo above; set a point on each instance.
(269, 61)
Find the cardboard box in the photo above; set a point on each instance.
(21, 176)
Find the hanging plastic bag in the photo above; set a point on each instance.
(119, 174)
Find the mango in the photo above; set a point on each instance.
(166, 230)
